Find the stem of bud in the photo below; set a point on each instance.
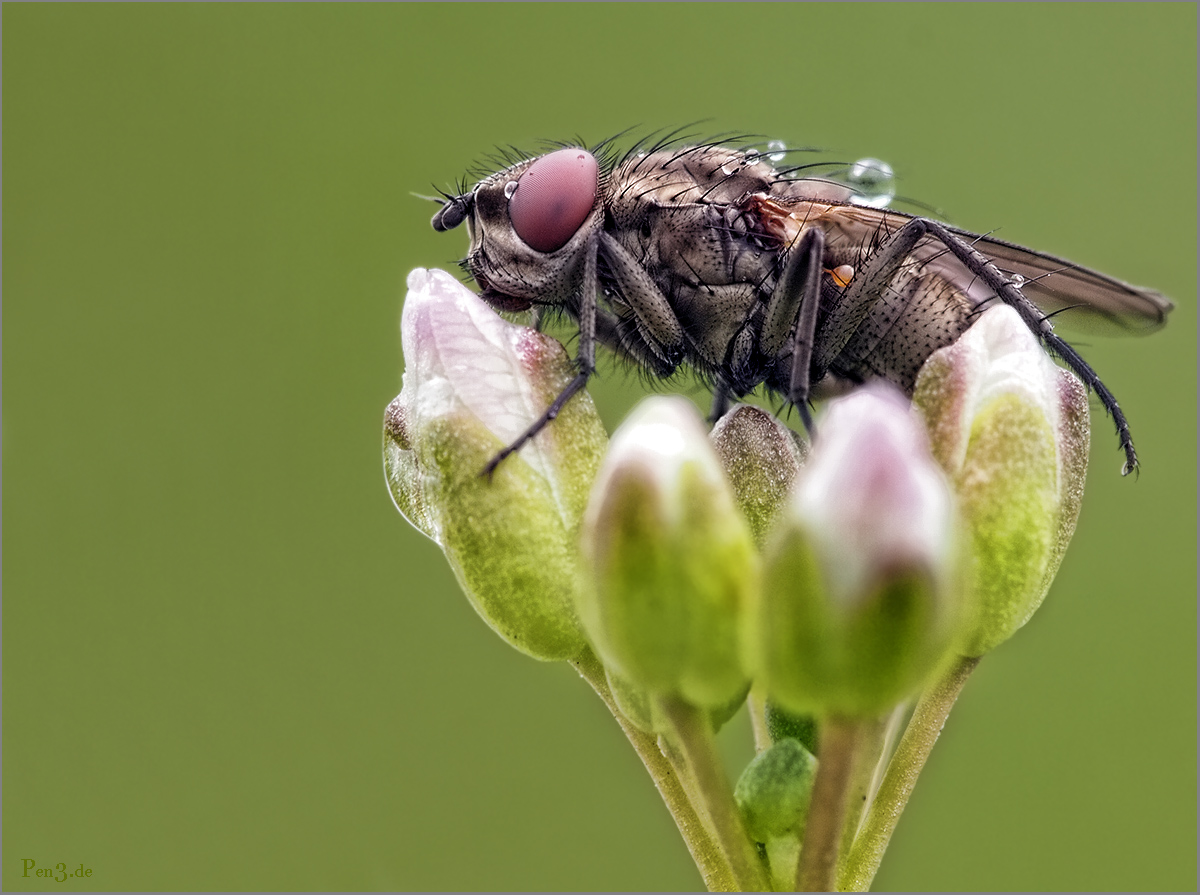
(923, 730)
(714, 868)
(840, 740)
(692, 734)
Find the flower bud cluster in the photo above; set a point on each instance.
(838, 578)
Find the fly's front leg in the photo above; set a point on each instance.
(585, 360)
(657, 321)
(1040, 326)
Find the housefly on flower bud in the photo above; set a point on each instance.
(755, 273)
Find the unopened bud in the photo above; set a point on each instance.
(473, 383)
(1011, 429)
(775, 789)
(861, 593)
(672, 568)
(762, 457)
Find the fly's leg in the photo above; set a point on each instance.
(1040, 326)
(585, 361)
(801, 281)
(797, 299)
(720, 404)
(808, 274)
(657, 321)
(871, 280)
(806, 328)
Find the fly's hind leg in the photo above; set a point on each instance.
(1040, 326)
(797, 297)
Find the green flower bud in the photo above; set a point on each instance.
(634, 702)
(473, 383)
(672, 568)
(774, 790)
(1011, 429)
(781, 724)
(762, 457)
(861, 591)
(643, 712)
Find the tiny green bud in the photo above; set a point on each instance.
(762, 457)
(643, 711)
(861, 593)
(672, 567)
(473, 383)
(774, 790)
(720, 715)
(634, 702)
(1010, 427)
(781, 723)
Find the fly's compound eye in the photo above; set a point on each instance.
(553, 198)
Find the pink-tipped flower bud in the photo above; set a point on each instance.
(862, 592)
(1010, 428)
(473, 383)
(672, 568)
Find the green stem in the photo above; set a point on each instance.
(692, 734)
(866, 759)
(782, 854)
(923, 730)
(840, 739)
(756, 704)
(691, 787)
(713, 867)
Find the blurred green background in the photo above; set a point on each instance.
(230, 664)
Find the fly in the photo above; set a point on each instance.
(752, 274)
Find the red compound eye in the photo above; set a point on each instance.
(553, 198)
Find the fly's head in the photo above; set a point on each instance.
(530, 226)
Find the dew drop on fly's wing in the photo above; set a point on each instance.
(874, 183)
(776, 150)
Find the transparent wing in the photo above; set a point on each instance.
(1089, 301)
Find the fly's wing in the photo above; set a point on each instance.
(1090, 301)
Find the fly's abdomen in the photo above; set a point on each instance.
(916, 315)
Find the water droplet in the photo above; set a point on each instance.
(1017, 280)
(726, 170)
(777, 150)
(509, 189)
(752, 155)
(874, 181)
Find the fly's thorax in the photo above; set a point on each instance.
(715, 175)
(707, 264)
